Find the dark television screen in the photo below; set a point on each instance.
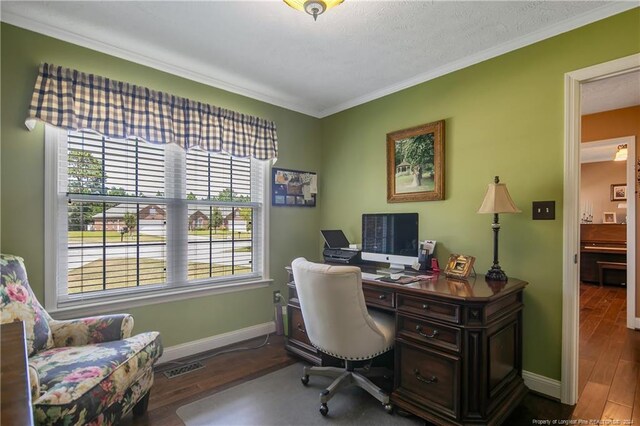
(390, 233)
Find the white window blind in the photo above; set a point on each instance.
(135, 216)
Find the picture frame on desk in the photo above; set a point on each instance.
(609, 217)
(459, 266)
(415, 163)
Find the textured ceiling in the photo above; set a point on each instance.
(354, 53)
(611, 93)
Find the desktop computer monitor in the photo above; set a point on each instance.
(390, 237)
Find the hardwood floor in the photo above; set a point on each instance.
(609, 371)
(609, 368)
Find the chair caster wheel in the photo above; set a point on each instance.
(324, 410)
(388, 408)
(305, 379)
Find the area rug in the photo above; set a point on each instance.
(279, 399)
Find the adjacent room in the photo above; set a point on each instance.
(304, 212)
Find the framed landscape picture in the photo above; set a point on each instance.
(415, 163)
(619, 192)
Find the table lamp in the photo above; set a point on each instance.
(497, 200)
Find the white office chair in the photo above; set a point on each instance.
(338, 323)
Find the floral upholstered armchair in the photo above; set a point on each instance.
(84, 371)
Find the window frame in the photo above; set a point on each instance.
(55, 210)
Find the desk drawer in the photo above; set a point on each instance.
(430, 333)
(430, 378)
(379, 297)
(296, 326)
(428, 308)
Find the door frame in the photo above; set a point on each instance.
(571, 219)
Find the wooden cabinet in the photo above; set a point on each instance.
(458, 352)
(427, 378)
(15, 390)
(378, 297)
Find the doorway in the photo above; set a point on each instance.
(573, 210)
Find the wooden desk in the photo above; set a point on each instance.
(467, 334)
(15, 402)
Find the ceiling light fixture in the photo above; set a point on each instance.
(313, 7)
(621, 153)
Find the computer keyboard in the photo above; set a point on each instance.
(368, 276)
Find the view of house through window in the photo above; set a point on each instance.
(141, 214)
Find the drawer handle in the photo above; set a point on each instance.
(425, 306)
(423, 334)
(382, 296)
(433, 379)
(300, 329)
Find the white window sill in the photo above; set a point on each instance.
(116, 303)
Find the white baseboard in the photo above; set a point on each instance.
(637, 323)
(542, 384)
(213, 342)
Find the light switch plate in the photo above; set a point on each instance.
(544, 210)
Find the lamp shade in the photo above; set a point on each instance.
(498, 200)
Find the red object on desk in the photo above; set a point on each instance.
(435, 267)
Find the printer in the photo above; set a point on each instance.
(336, 248)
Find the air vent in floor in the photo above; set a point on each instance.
(183, 369)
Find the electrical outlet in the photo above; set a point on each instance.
(277, 296)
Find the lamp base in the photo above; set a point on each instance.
(496, 274)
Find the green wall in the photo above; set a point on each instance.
(503, 117)
(293, 230)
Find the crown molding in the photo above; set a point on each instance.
(594, 15)
(188, 70)
(192, 72)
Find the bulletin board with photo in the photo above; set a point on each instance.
(293, 188)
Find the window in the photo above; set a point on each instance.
(130, 216)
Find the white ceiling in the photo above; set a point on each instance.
(611, 93)
(357, 52)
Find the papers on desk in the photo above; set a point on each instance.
(402, 280)
(369, 276)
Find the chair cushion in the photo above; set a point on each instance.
(17, 303)
(78, 381)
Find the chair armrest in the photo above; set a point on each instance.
(86, 331)
(34, 384)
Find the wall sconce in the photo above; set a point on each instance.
(621, 153)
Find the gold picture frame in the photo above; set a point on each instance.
(459, 266)
(415, 163)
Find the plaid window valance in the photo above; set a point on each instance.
(74, 100)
